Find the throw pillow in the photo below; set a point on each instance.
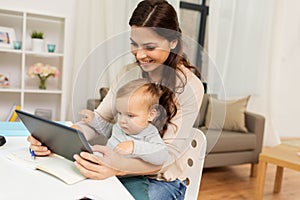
(227, 115)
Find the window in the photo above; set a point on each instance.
(194, 11)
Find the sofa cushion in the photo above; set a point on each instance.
(226, 115)
(229, 141)
(201, 115)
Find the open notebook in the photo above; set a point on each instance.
(62, 140)
(54, 165)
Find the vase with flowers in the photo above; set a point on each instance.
(43, 72)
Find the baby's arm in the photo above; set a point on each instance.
(150, 151)
(88, 116)
(151, 148)
(94, 120)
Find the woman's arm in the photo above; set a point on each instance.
(111, 164)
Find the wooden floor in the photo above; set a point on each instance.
(235, 183)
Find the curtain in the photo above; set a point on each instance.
(254, 45)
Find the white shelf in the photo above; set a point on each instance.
(10, 90)
(10, 51)
(44, 54)
(33, 53)
(23, 90)
(43, 91)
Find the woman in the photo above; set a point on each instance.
(156, 44)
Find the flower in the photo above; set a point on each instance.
(43, 70)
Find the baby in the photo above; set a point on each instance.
(134, 135)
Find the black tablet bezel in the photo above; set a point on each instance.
(60, 139)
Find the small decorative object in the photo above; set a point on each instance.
(103, 92)
(51, 48)
(38, 43)
(17, 45)
(43, 113)
(43, 72)
(4, 80)
(7, 36)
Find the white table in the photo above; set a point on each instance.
(21, 182)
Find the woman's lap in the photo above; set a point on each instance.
(142, 188)
(166, 190)
(137, 186)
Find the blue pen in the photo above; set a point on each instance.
(32, 154)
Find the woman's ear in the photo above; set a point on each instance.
(173, 44)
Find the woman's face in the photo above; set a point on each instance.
(150, 49)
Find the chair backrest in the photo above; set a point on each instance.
(195, 161)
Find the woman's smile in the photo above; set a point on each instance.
(145, 62)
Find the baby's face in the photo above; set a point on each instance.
(133, 114)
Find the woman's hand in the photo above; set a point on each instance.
(37, 147)
(125, 148)
(98, 167)
(110, 164)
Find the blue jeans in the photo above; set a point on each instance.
(173, 190)
(142, 188)
(137, 186)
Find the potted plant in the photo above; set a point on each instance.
(38, 43)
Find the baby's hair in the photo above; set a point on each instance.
(155, 96)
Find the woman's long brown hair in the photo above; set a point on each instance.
(162, 18)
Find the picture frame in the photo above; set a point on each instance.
(7, 37)
(4, 80)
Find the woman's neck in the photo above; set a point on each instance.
(156, 75)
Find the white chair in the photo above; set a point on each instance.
(195, 159)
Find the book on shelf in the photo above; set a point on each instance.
(12, 116)
(53, 164)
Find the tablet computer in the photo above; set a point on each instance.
(60, 139)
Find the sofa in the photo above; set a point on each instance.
(229, 145)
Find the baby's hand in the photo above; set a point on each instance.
(88, 116)
(124, 148)
(76, 127)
